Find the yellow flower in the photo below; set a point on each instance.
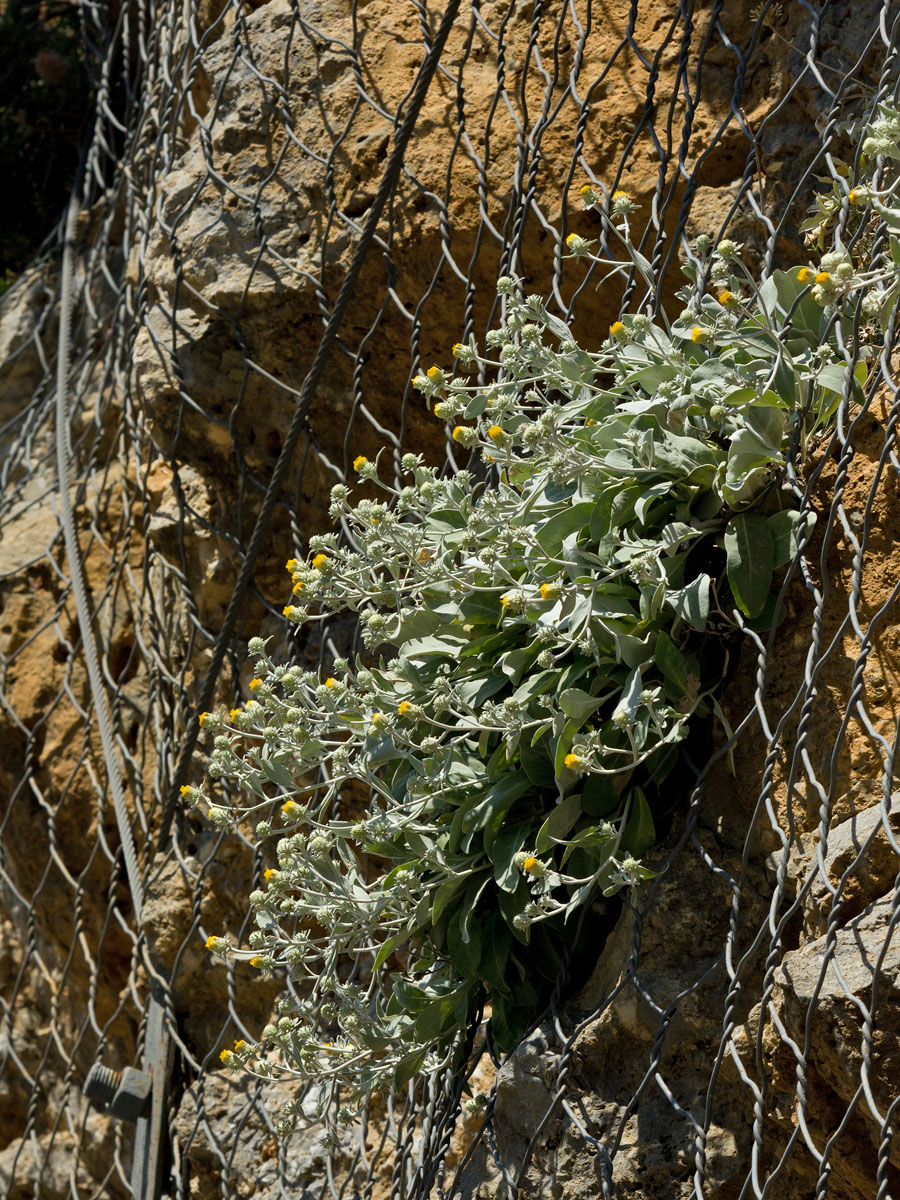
(590, 421)
(823, 277)
(495, 433)
(459, 433)
(255, 960)
(292, 564)
(269, 873)
(458, 348)
(572, 761)
(331, 682)
(184, 789)
(617, 329)
(291, 808)
(585, 190)
(727, 299)
(434, 374)
(805, 275)
(239, 1045)
(359, 462)
(620, 195)
(549, 591)
(254, 684)
(290, 611)
(698, 334)
(530, 863)
(211, 942)
(571, 238)
(226, 1056)
(319, 561)
(234, 712)
(298, 587)
(404, 707)
(853, 195)
(202, 719)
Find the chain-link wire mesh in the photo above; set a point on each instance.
(287, 208)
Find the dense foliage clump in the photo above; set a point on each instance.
(540, 633)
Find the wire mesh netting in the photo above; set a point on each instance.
(287, 209)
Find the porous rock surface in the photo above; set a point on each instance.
(255, 222)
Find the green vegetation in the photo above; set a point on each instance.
(538, 645)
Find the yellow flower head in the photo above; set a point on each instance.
(202, 719)
(319, 561)
(184, 789)
(254, 684)
(359, 462)
(331, 682)
(617, 329)
(404, 707)
(823, 277)
(458, 349)
(459, 433)
(211, 942)
(233, 713)
(620, 195)
(298, 587)
(434, 374)
(291, 808)
(530, 863)
(585, 190)
(853, 196)
(226, 1056)
(698, 334)
(239, 1045)
(290, 611)
(292, 564)
(805, 275)
(255, 960)
(571, 238)
(572, 761)
(590, 421)
(727, 299)
(549, 591)
(270, 873)
(495, 433)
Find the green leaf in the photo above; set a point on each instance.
(552, 533)
(558, 823)
(784, 527)
(671, 662)
(692, 602)
(432, 1019)
(639, 833)
(496, 945)
(496, 802)
(446, 892)
(598, 796)
(464, 942)
(407, 1069)
(578, 704)
(767, 423)
(507, 844)
(750, 555)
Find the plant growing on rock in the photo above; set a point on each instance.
(540, 631)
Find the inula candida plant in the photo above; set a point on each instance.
(539, 633)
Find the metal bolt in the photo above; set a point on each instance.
(102, 1084)
(124, 1094)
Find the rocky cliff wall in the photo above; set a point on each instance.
(255, 141)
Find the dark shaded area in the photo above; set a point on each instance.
(44, 99)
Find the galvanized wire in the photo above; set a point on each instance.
(200, 337)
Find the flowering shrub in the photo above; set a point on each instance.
(540, 632)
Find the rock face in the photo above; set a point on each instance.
(205, 279)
